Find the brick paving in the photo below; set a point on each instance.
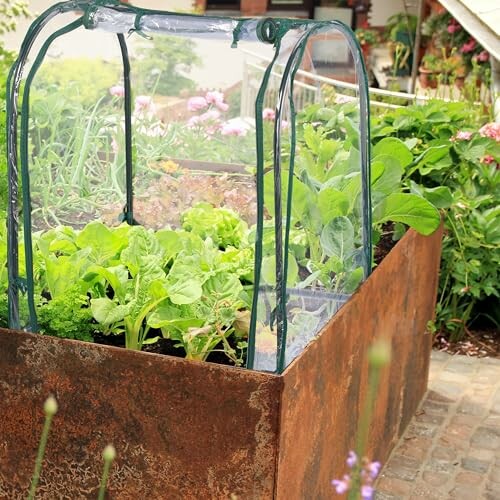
(451, 449)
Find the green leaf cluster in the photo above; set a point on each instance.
(457, 173)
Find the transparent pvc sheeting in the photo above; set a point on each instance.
(215, 112)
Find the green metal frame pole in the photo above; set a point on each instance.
(128, 215)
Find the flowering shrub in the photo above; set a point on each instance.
(457, 166)
(491, 130)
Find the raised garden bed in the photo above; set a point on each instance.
(187, 429)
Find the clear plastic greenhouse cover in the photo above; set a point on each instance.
(224, 161)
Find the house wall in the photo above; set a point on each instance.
(381, 10)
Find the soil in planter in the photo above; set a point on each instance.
(165, 347)
(385, 244)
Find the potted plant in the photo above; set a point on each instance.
(400, 31)
(428, 71)
(367, 38)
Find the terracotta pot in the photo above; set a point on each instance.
(459, 82)
(366, 49)
(427, 78)
(191, 430)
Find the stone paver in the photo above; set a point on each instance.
(451, 449)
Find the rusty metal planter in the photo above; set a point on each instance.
(188, 430)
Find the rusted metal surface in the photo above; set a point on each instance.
(325, 387)
(188, 430)
(182, 430)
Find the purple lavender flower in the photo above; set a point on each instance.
(352, 459)
(373, 469)
(342, 485)
(367, 492)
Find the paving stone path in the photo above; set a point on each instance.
(451, 449)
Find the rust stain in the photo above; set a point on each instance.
(325, 387)
(179, 427)
(188, 430)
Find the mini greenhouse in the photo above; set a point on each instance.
(186, 180)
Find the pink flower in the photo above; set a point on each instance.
(462, 135)
(235, 127)
(488, 159)
(117, 91)
(453, 28)
(491, 130)
(268, 114)
(217, 98)
(222, 106)
(341, 485)
(210, 115)
(197, 103)
(143, 104)
(193, 121)
(483, 56)
(468, 47)
(352, 459)
(214, 96)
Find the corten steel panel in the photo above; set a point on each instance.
(325, 387)
(187, 430)
(182, 430)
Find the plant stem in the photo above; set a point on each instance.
(50, 409)
(108, 455)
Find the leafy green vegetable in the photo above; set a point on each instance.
(222, 225)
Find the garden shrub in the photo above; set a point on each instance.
(456, 166)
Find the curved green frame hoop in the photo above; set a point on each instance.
(280, 28)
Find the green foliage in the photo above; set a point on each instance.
(129, 281)
(10, 12)
(67, 316)
(222, 225)
(455, 167)
(160, 66)
(85, 80)
(327, 192)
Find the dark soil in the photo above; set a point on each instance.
(385, 244)
(163, 346)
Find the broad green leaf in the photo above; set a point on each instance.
(223, 286)
(104, 244)
(61, 275)
(170, 241)
(170, 318)
(392, 146)
(390, 179)
(337, 238)
(302, 196)
(352, 280)
(143, 250)
(410, 209)
(440, 196)
(184, 292)
(268, 270)
(332, 203)
(107, 312)
(116, 276)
